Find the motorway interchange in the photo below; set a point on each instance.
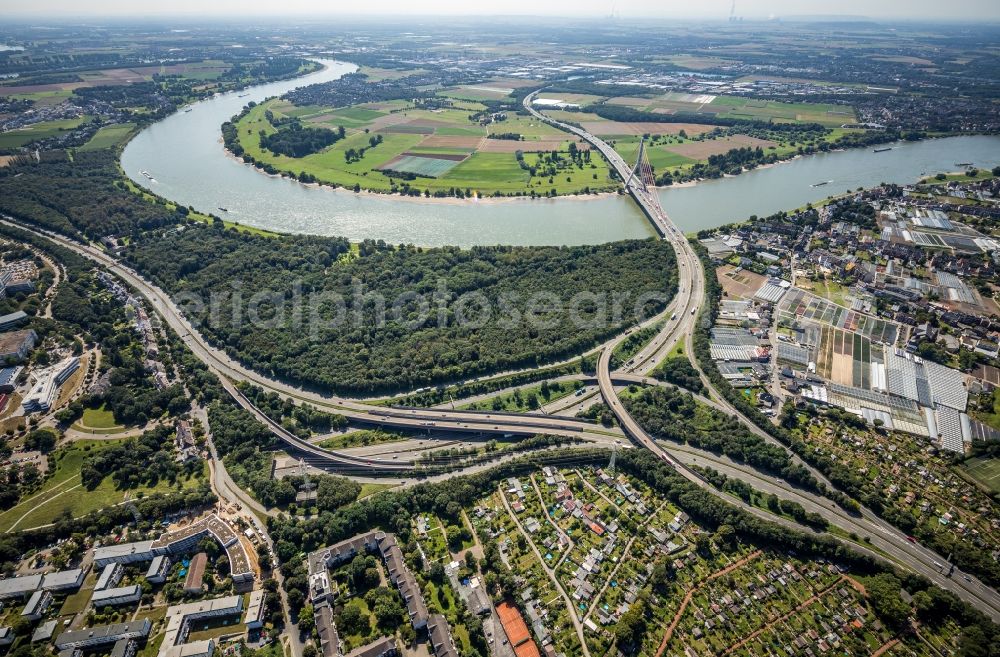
(679, 321)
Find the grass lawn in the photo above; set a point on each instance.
(152, 647)
(216, 629)
(361, 438)
(371, 489)
(108, 136)
(62, 491)
(98, 418)
(518, 400)
(984, 470)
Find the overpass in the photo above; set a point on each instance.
(691, 295)
(679, 325)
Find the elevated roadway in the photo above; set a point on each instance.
(883, 536)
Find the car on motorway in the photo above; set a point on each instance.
(911, 539)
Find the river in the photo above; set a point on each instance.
(185, 156)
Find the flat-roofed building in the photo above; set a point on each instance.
(37, 605)
(16, 345)
(158, 569)
(255, 610)
(13, 319)
(178, 624)
(19, 587)
(124, 553)
(125, 648)
(203, 648)
(64, 580)
(6, 636)
(103, 634)
(184, 540)
(110, 576)
(121, 595)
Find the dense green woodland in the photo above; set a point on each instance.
(85, 197)
(354, 355)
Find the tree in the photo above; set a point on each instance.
(632, 625)
(703, 543)
(884, 593)
(353, 622)
(310, 651)
(725, 536)
(456, 536)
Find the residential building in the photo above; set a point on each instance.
(196, 573)
(255, 610)
(121, 595)
(37, 605)
(178, 625)
(12, 320)
(103, 634)
(110, 576)
(158, 569)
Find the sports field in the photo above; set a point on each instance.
(984, 470)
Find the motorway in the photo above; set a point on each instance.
(883, 536)
(679, 325)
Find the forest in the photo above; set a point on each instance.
(295, 140)
(389, 318)
(79, 196)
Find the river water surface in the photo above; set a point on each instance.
(189, 165)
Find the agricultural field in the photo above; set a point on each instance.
(20, 137)
(739, 283)
(737, 107)
(800, 305)
(431, 150)
(844, 357)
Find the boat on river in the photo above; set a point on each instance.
(882, 150)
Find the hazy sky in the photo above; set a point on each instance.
(980, 10)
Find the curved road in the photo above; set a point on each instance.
(883, 535)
